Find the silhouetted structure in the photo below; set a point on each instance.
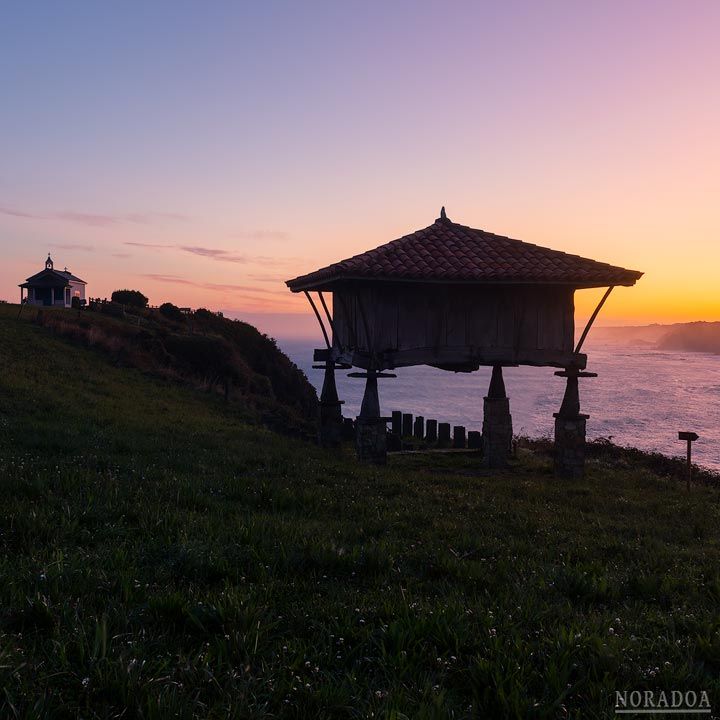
(456, 298)
(53, 287)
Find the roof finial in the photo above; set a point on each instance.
(443, 216)
(49, 263)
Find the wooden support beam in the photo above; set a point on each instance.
(319, 319)
(329, 316)
(592, 318)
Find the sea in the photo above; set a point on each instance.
(641, 398)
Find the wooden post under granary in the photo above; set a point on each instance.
(407, 424)
(458, 298)
(397, 422)
(443, 435)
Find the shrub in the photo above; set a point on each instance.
(221, 355)
(203, 314)
(211, 357)
(134, 298)
(112, 309)
(171, 312)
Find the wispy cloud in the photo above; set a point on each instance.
(149, 245)
(14, 212)
(94, 219)
(147, 218)
(219, 254)
(254, 298)
(80, 218)
(172, 279)
(259, 277)
(74, 246)
(224, 287)
(121, 255)
(261, 235)
(215, 254)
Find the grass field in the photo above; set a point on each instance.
(161, 559)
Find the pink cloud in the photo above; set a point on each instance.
(148, 245)
(213, 286)
(214, 254)
(261, 235)
(74, 246)
(12, 212)
(94, 219)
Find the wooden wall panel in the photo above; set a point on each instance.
(481, 320)
(435, 321)
(525, 304)
(511, 321)
(456, 318)
(504, 307)
(551, 318)
(569, 324)
(412, 316)
(385, 329)
(341, 321)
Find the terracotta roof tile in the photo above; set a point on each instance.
(451, 252)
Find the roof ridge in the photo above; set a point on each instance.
(451, 252)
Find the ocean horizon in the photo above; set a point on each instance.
(641, 398)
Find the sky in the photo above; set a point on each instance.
(204, 153)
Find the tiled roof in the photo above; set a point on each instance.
(448, 252)
(53, 277)
(70, 276)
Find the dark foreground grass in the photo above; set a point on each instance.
(160, 559)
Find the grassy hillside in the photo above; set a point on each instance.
(160, 558)
(200, 349)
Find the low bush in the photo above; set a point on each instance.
(171, 312)
(133, 298)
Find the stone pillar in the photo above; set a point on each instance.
(497, 423)
(570, 426)
(570, 446)
(330, 423)
(419, 427)
(474, 440)
(407, 424)
(444, 435)
(370, 427)
(431, 431)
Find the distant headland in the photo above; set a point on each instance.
(690, 337)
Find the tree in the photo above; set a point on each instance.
(134, 298)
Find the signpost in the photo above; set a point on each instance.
(691, 437)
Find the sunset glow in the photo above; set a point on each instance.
(206, 158)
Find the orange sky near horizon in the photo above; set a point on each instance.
(675, 287)
(206, 156)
